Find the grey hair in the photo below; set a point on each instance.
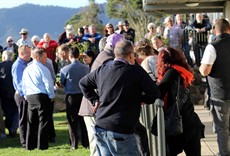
(123, 48)
(102, 44)
(7, 55)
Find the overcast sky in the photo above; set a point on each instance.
(63, 3)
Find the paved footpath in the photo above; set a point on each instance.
(208, 144)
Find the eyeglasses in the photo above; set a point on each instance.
(126, 25)
(23, 33)
(10, 41)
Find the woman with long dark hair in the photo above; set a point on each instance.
(172, 66)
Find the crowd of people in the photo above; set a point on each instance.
(107, 84)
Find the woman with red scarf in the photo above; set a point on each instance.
(172, 64)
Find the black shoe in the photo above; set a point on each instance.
(12, 134)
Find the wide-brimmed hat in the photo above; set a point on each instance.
(23, 31)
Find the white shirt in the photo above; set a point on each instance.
(26, 42)
(209, 56)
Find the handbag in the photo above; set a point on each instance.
(172, 117)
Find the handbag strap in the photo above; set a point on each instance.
(177, 96)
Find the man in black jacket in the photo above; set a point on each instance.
(214, 65)
(122, 87)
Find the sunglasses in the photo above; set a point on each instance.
(10, 41)
(23, 33)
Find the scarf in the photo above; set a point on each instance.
(185, 74)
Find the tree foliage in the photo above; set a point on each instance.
(88, 16)
(132, 11)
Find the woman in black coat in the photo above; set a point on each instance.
(172, 64)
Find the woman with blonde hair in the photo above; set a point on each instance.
(147, 56)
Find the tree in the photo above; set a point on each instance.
(88, 16)
(131, 10)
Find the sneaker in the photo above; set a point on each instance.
(73, 148)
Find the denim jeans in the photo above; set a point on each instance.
(110, 143)
(220, 111)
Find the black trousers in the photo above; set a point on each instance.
(39, 114)
(73, 102)
(11, 113)
(22, 109)
(190, 144)
(51, 132)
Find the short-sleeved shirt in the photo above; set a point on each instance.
(209, 56)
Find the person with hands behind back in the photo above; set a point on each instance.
(122, 87)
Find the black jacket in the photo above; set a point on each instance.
(121, 88)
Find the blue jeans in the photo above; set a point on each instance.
(220, 111)
(110, 143)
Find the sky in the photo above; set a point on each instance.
(62, 3)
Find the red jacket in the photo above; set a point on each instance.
(50, 50)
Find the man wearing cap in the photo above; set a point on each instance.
(24, 40)
(11, 46)
(120, 28)
(173, 33)
(128, 33)
(86, 109)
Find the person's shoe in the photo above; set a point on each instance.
(12, 134)
(3, 137)
(73, 148)
(52, 140)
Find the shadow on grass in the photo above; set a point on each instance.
(62, 141)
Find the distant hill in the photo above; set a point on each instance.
(39, 20)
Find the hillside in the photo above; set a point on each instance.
(38, 20)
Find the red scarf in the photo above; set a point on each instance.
(185, 74)
(187, 77)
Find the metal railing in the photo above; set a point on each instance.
(199, 42)
(157, 145)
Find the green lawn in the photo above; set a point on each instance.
(12, 147)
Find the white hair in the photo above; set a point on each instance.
(7, 55)
(35, 38)
(151, 25)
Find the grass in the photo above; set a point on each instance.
(12, 146)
